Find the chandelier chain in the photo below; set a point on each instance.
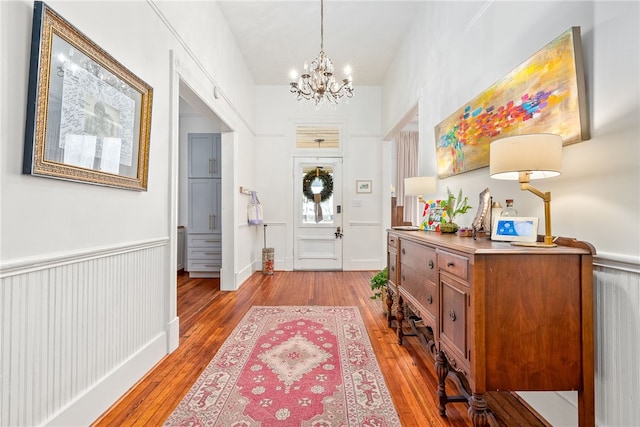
(321, 25)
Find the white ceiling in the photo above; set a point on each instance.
(278, 36)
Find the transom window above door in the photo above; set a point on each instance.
(317, 136)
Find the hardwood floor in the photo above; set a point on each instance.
(207, 317)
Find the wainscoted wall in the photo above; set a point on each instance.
(617, 298)
(73, 323)
(361, 257)
(617, 330)
(91, 324)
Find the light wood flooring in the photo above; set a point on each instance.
(207, 317)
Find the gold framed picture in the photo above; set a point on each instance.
(88, 117)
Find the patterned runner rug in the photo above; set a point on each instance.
(291, 366)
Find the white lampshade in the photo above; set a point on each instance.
(538, 154)
(419, 185)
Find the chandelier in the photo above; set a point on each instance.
(317, 82)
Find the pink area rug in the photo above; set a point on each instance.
(291, 366)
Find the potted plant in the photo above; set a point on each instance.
(378, 284)
(453, 207)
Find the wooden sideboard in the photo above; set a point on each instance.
(500, 317)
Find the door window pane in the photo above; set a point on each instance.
(316, 211)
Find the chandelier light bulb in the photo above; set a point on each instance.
(293, 74)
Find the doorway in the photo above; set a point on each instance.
(318, 229)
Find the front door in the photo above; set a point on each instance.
(318, 214)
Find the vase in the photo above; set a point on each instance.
(448, 227)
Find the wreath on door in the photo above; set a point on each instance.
(327, 184)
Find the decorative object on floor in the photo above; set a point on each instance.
(527, 157)
(454, 206)
(318, 83)
(378, 283)
(88, 117)
(288, 366)
(545, 94)
(267, 255)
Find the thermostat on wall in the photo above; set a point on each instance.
(515, 229)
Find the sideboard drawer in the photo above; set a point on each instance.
(454, 264)
(453, 318)
(392, 265)
(421, 258)
(392, 240)
(423, 291)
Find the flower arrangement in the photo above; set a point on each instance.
(454, 206)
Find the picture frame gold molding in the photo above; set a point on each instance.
(88, 116)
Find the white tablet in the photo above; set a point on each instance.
(515, 229)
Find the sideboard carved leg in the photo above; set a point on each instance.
(399, 318)
(478, 410)
(442, 369)
(389, 306)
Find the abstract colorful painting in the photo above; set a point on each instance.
(545, 94)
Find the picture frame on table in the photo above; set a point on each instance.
(88, 116)
(434, 214)
(482, 220)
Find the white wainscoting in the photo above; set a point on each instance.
(617, 299)
(361, 254)
(84, 327)
(617, 352)
(73, 324)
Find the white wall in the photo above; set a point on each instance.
(77, 260)
(277, 113)
(457, 50)
(462, 48)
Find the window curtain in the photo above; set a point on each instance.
(407, 157)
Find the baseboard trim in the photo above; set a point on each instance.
(88, 407)
(173, 330)
(551, 406)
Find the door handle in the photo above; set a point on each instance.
(338, 233)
